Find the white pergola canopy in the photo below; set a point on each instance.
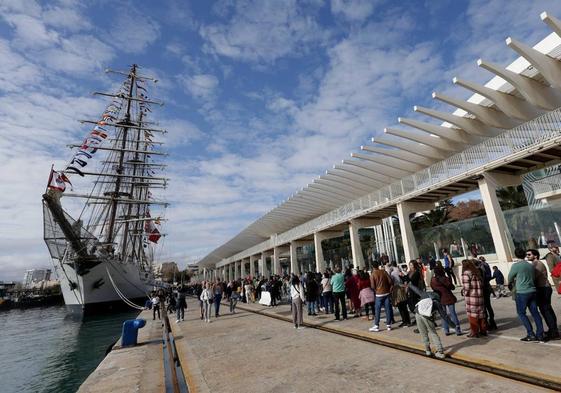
(525, 89)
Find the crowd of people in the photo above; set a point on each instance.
(420, 293)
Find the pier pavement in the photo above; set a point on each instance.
(501, 352)
(138, 369)
(252, 352)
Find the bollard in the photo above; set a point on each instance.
(130, 331)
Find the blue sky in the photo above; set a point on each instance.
(261, 96)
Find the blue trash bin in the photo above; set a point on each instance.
(130, 331)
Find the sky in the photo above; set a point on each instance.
(260, 97)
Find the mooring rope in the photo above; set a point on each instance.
(123, 298)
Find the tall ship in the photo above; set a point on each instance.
(103, 241)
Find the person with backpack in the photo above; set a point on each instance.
(426, 310)
(442, 285)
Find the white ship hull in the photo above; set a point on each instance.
(94, 292)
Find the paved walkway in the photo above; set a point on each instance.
(247, 352)
(502, 349)
(136, 369)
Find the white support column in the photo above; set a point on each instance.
(237, 270)
(276, 261)
(320, 261)
(252, 260)
(404, 209)
(294, 267)
(504, 247)
(356, 249)
(318, 238)
(263, 264)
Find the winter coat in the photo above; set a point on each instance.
(312, 291)
(473, 293)
(443, 287)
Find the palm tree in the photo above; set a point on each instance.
(511, 197)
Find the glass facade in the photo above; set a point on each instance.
(528, 228)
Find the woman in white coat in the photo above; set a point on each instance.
(206, 298)
(297, 295)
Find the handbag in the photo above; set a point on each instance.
(399, 295)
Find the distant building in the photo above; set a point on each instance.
(35, 276)
(167, 271)
(6, 286)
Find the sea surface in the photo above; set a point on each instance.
(46, 350)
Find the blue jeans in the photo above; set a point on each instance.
(524, 301)
(385, 300)
(328, 302)
(311, 307)
(451, 311)
(217, 300)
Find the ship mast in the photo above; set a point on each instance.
(125, 123)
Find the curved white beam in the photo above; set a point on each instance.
(471, 126)
(365, 181)
(401, 154)
(449, 133)
(533, 91)
(305, 199)
(412, 147)
(389, 161)
(387, 170)
(332, 190)
(297, 209)
(337, 183)
(489, 116)
(553, 23)
(425, 139)
(306, 205)
(361, 168)
(372, 175)
(511, 105)
(549, 67)
(330, 196)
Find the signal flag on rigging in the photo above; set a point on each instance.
(57, 181)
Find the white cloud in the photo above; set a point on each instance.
(200, 86)
(353, 10)
(79, 54)
(66, 18)
(31, 32)
(17, 73)
(133, 31)
(263, 31)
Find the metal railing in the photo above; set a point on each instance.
(547, 184)
(518, 142)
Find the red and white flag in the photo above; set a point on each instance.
(151, 230)
(57, 181)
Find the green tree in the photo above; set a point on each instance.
(511, 197)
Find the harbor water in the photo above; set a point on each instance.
(47, 350)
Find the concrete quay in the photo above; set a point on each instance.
(500, 353)
(132, 369)
(248, 352)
